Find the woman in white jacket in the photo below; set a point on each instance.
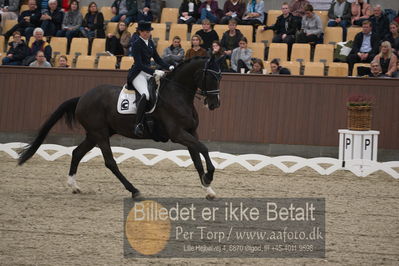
(241, 56)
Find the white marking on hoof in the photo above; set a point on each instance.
(210, 193)
(72, 183)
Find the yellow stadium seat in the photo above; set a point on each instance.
(264, 36)
(132, 28)
(2, 55)
(107, 12)
(32, 39)
(332, 35)
(355, 66)
(126, 62)
(178, 30)
(266, 64)
(169, 15)
(300, 52)
(59, 45)
(79, 45)
(272, 17)
(161, 45)
(23, 8)
(338, 70)
(314, 69)
(294, 67)
(8, 24)
(2, 44)
(83, 10)
(98, 46)
(111, 27)
(185, 45)
(258, 50)
(247, 31)
(323, 16)
(352, 31)
(106, 62)
(159, 31)
(220, 29)
(85, 61)
(197, 27)
(324, 52)
(278, 50)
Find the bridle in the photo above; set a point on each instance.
(216, 74)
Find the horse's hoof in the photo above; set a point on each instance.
(136, 195)
(76, 191)
(210, 193)
(210, 197)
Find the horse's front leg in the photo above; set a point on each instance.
(195, 148)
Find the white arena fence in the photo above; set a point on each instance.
(251, 162)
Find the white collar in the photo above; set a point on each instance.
(146, 41)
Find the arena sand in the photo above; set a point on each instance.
(43, 223)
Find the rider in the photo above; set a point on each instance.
(143, 49)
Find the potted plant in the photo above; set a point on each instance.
(359, 112)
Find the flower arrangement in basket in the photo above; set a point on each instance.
(359, 112)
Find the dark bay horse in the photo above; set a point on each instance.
(174, 118)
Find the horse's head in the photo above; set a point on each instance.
(209, 83)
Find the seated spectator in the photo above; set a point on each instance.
(219, 54)
(117, 43)
(361, 11)
(393, 36)
(208, 35)
(387, 59)
(38, 45)
(27, 21)
(124, 10)
(93, 23)
(9, 10)
(52, 19)
(297, 9)
(188, 11)
(241, 57)
(379, 22)
(208, 10)
(71, 23)
(145, 13)
(365, 46)
(276, 69)
(284, 28)
(231, 38)
(63, 61)
(257, 66)
(196, 49)
(42, 5)
(375, 70)
(40, 60)
(312, 27)
(233, 9)
(17, 52)
(340, 14)
(254, 13)
(154, 6)
(174, 54)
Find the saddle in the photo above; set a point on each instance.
(128, 97)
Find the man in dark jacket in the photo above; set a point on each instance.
(38, 45)
(125, 10)
(27, 21)
(52, 19)
(340, 15)
(17, 52)
(379, 22)
(365, 46)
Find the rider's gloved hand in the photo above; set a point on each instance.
(171, 67)
(159, 73)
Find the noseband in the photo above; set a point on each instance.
(216, 74)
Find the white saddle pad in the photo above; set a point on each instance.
(126, 104)
(126, 100)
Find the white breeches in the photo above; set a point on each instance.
(141, 85)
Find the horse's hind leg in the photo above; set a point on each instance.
(110, 163)
(77, 155)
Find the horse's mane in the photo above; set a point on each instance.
(185, 62)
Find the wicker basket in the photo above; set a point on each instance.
(359, 117)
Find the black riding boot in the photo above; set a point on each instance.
(141, 106)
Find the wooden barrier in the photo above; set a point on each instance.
(254, 108)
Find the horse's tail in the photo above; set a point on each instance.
(66, 109)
